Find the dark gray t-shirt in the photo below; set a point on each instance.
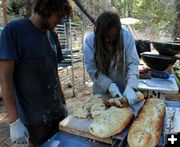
(35, 74)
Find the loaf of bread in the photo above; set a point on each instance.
(145, 131)
(117, 102)
(121, 102)
(111, 122)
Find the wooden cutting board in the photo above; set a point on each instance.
(80, 127)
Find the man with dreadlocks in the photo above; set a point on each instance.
(111, 58)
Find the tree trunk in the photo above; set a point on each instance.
(91, 7)
(176, 34)
(113, 3)
(4, 7)
(97, 9)
(129, 8)
(125, 6)
(29, 6)
(90, 17)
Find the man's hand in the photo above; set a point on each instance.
(114, 90)
(18, 132)
(130, 94)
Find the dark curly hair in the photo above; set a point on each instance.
(46, 7)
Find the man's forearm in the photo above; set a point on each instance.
(8, 95)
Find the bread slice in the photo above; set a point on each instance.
(145, 131)
(111, 122)
(81, 113)
(95, 99)
(97, 108)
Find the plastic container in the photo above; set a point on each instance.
(160, 74)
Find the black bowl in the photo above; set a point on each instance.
(157, 62)
(142, 46)
(167, 49)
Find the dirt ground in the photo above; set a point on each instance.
(82, 94)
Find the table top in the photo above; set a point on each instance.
(160, 85)
(64, 139)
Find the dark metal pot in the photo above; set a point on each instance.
(158, 62)
(166, 48)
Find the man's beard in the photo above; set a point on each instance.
(46, 26)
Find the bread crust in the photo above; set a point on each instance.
(145, 131)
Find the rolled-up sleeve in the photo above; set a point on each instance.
(102, 81)
(131, 61)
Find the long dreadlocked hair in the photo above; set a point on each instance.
(105, 22)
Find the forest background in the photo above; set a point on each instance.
(159, 17)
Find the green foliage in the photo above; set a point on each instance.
(158, 15)
(16, 7)
(95, 7)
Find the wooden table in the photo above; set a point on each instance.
(80, 127)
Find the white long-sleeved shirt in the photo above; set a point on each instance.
(130, 68)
